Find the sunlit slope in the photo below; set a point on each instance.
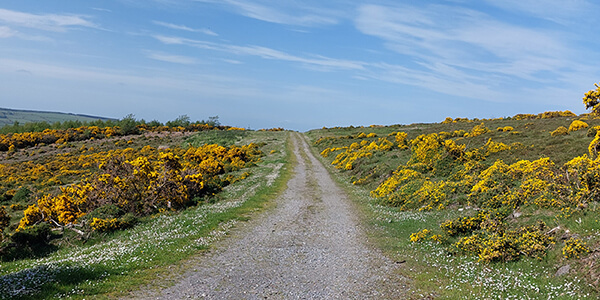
(494, 191)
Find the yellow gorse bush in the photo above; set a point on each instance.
(545, 115)
(505, 129)
(346, 159)
(495, 188)
(561, 130)
(13, 141)
(139, 182)
(400, 139)
(577, 125)
(432, 195)
(452, 168)
(454, 150)
(478, 130)
(426, 149)
(591, 99)
(594, 145)
(419, 236)
(507, 245)
(104, 225)
(391, 184)
(574, 248)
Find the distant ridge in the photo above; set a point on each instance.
(9, 116)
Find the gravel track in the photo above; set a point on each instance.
(309, 247)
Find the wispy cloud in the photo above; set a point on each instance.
(558, 11)
(185, 28)
(6, 32)
(177, 59)
(214, 85)
(101, 9)
(325, 63)
(283, 12)
(470, 53)
(170, 40)
(468, 35)
(233, 61)
(321, 61)
(440, 78)
(47, 22)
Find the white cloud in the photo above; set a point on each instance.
(233, 61)
(102, 9)
(559, 11)
(325, 63)
(283, 12)
(440, 78)
(463, 49)
(170, 40)
(185, 28)
(321, 61)
(429, 32)
(177, 59)
(509, 41)
(6, 32)
(47, 22)
(467, 53)
(447, 49)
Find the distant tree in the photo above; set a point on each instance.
(155, 123)
(592, 99)
(182, 121)
(128, 125)
(98, 123)
(71, 124)
(214, 121)
(16, 127)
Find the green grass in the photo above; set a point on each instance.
(223, 138)
(114, 264)
(10, 116)
(534, 135)
(434, 270)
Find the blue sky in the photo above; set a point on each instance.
(299, 64)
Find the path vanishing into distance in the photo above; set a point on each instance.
(310, 246)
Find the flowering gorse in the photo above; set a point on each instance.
(142, 182)
(445, 170)
(578, 125)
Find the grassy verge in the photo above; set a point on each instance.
(223, 138)
(433, 271)
(117, 263)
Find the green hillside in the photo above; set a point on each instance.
(469, 204)
(9, 116)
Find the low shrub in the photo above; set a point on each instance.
(561, 130)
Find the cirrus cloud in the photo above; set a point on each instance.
(47, 22)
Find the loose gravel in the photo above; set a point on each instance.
(310, 246)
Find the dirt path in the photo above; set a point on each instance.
(309, 247)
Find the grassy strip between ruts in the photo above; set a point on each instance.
(434, 273)
(124, 260)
